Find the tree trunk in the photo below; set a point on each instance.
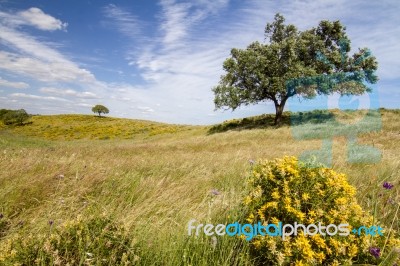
(279, 111)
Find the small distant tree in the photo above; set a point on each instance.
(14, 117)
(100, 109)
(3, 112)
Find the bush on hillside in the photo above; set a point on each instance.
(287, 191)
(13, 117)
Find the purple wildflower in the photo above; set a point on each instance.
(375, 251)
(252, 162)
(387, 185)
(51, 222)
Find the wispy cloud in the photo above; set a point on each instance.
(69, 93)
(37, 18)
(34, 17)
(12, 84)
(44, 71)
(178, 18)
(125, 22)
(33, 58)
(36, 97)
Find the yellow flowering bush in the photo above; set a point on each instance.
(287, 191)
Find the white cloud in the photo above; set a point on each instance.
(37, 18)
(33, 58)
(145, 109)
(34, 17)
(125, 22)
(44, 71)
(69, 93)
(36, 97)
(179, 18)
(12, 84)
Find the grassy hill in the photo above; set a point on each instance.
(138, 183)
(70, 127)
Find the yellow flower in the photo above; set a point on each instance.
(305, 196)
(319, 241)
(334, 213)
(299, 263)
(271, 204)
(271, 176)
(300, 215)
(304, 246)
(320, 256)
(250, 219)
(260, 213)
(274, 220)
(312, 213)
(286, 189)
(352, 250)
(334, 263)
(287, 249)
(247, 200)
(287, 201)
(349, 190)
(275, 195)
(335, 244)
(257, 244)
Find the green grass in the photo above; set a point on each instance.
(150, 179)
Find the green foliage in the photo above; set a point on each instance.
(13, 117)
(294, 63)
(100, 109)
(4, 225)
(287, 191)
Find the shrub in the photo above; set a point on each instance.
(14, 117)
(4, 225)
(287, 191)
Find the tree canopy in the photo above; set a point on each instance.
(292, 62)
(100, 109)
(13, 117)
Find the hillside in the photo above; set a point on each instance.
(66, 176)
(70, 127)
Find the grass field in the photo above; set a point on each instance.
(149, 179)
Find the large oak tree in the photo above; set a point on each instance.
(308, 63)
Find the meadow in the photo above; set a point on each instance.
(106, 191)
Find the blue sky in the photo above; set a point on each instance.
(158, 60)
